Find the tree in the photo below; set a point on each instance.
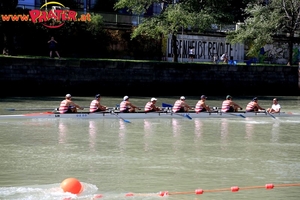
(173, 18)
(265, 22)
(7, 7)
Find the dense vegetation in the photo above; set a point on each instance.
(279, 18)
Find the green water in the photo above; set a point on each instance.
(147, 156)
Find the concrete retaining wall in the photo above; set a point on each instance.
(30, 77)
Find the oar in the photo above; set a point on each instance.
(238, 115)
(120, 117)
(182, 115)
(29, 109)
(165, 105)
(271, 115)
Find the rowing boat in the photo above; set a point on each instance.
(143, 115)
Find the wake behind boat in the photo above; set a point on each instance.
(149, 115)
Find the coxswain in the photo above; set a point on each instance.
(275, 107)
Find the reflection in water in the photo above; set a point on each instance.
(122, 131)
(148, 130)
(198, 133)
(249, 129)
(176, 126)
(92, 134)
(198, 129)
(62, 131)
(275, 131)
(224, 132)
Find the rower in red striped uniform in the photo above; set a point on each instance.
(201, 105)
(229, 106)
(181, 106)
(95, 105)
(253, 106)
(68, 106)
(126, 106)
(151, 107)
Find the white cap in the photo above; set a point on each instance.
(182, 97)
(68, 96)
(125, 98)
(153, 99)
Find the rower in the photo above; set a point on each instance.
(253, 106)
(95, 105)
(181, 106)
(201, 105)
(229, 106)
(126, 106)
(68, 106)
(151, 107)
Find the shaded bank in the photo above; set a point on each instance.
(43, 76)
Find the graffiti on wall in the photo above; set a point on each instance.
(277, 53)
(205, 48)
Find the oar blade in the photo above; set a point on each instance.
(125, 120)
(165, 105)
(182, 115)
(241, 116)
(272, 115)
(188, 116)
(234, 114)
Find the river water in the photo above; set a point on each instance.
(113, 158)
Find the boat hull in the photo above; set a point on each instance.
(108, 115)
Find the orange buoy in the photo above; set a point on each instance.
(198, 191)
(129, 194)
(235, 189)
(71, 185)
(163, 193)
(269, 186)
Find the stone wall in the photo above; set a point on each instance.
(31, 77)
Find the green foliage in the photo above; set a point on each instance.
(184, 14)
(296, 54)
(137, 6)
(255, 30)
(265, 22)
(170, 21)
(95, 26)
(221, 11)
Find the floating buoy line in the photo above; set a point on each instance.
(268, 186)
(74, 186)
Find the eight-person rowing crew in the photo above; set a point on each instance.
(68, 106)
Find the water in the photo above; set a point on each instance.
(146, 156)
